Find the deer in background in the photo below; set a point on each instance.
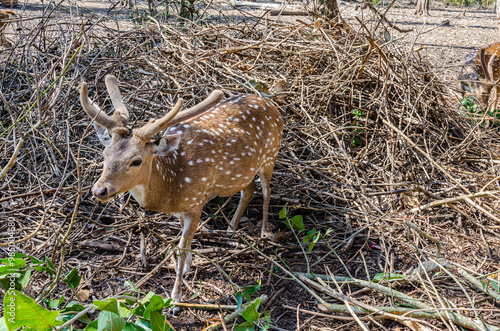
(4, 21)
(212, 149)
(481, 73)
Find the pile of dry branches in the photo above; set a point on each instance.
(372, 147)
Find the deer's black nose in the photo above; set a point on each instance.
(101, 193)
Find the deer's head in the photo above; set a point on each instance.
(128, 154)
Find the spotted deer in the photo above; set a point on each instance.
(481, 73)
(4, 21)
(213, 149)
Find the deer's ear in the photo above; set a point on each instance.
(166, 144)
(102, 134)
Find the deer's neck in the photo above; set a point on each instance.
(159, 193)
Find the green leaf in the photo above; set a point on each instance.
(156, 303)
(251, 289)
(494, 284)
(124, 310)
(250, 314)
(315, 240)
(267, 316)
(239, 300)
(143, 323)
(298, 222)
(247, 326)
(387, 276)
(13, 263)
(20, 310)
(26, 278)
(108, 321)
(157, 321)
(6, 281)
(32, 258)
(139, 310)
(309, 235)
(131, 285)
(147, 297)
(483, 284)
(132, 327)
(282, 213)
(110, 305)
(53, 304)
(73, 278)
(92, 326)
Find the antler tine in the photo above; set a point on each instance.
(116, 98)
(490, 68)
(154, 126)
(109, 122)
(214, 98)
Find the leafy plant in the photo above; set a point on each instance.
(125, 312)
(312, 236)
(471, 110)
(356, 127)
(296, 222)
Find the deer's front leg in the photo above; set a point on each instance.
(189, 224)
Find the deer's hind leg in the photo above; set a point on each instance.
(265, 173)
(246, 196)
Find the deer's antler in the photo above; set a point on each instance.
(119, 117)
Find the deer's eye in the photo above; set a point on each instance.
(136, 163)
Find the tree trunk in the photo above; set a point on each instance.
(332, 10)
(422, 8)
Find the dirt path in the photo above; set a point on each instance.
(443, 44)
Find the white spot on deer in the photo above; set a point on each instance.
(239, 175)
(203, 179)
(157, 166)
(185, 126)
(191, 163)
(207, 159)
(190, 142)
(199, 161)
(252, 169)
(183, 153)
(228, 172)
(187, 179)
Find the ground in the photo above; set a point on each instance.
(107, 241)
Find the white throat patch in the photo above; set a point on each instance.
(139, 194)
